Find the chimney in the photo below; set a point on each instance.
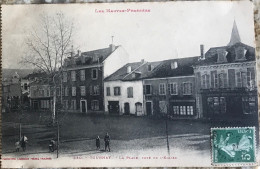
(142, 60)
(112, 47)
(79, 53)
(174, 65)
(202, 54)
(129, 69)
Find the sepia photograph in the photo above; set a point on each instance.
(170, 84)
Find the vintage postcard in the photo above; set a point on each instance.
(170, 84)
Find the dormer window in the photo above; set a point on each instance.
(149, 67)
(240, 53)
(222, 55)
(174, 65)
(83, 60)
(129, 69)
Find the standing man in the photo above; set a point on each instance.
(107, 140)
(24, 141)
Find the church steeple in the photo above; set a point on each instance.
(235, 38)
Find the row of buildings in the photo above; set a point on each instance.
(220, 83)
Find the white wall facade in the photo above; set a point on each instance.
(137, 95)
(115, 61)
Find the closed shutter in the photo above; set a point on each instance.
(90, 90)
(144, 89)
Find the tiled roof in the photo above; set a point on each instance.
(92, 57)
(211, 56)
(160, 69)
(165, 69)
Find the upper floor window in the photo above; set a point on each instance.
(240, 53)
(25, 86)
(82, 75)
(73, 76)
(222, 55)
(162, 89)
(65, 76)
(73, 91)
(205, 81)
(94, 73)
(149, 67)
(73, 105)
(214, 79)
(187, 88)
(117, 91)
(66, 91)
(241, 79)
(83, 90)
(96, 90)
(58, 91)
(130, 92)
(148, 89)
(173, 88)
(223, 82)
(108, 91)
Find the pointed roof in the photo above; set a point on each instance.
(235, 38)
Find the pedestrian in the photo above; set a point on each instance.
(23, 142)
(17, 146)
(107, 141)
(52, 145)
(98, 143)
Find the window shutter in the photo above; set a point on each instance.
(144, 89)
(151, 89)
(90, 90)
(181, 89)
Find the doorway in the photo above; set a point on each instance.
(127, 108)
(148, 108)
(113, 107)
(83, 106)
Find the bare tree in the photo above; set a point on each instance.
(49, 43)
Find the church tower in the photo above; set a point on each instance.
(235, 38)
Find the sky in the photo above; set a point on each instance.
(169, 30)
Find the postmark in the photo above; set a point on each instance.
(233, 146)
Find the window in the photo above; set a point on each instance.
(187, 88)
(65, 104)
(117, 91)
(251, 77)
(73, 105)
(82, 75)
(176, 110)
(130, 92)
(96, 90)
(182, 110)
(240, 53)
(223, 80)
(241, 79)
(148, 89)
(173, 89)
(83, 90)
(65, 76)
(205, 81)
(25, 86)
(73, 76)
(48, 92)
(94, 105)
(52, 90)
(66, 91)
(163, 107)
(108, 91)
(214, 79)
(149, 67)
(189, 110)
(94, 74)
(73, 91)
(162, 89)
(249, 104)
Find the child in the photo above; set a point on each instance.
(17, 146)
(98, 143)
